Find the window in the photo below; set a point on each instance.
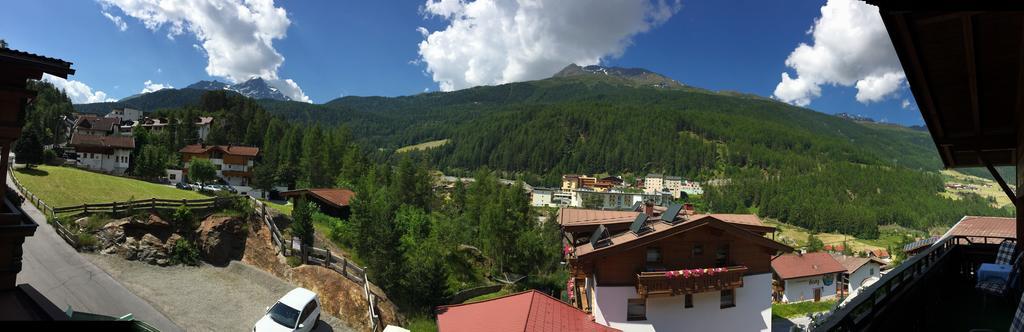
(728, 298)
(722, 256)
(307, 311)
(871, 271)
(636, 309)
(688, 301)
(653, 256)
(172, 176)
(698, 249)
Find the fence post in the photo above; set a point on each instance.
(86, 206)
(344, 265)
(327, 262)
(152, 203)
(113, 209)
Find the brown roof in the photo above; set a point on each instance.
(97, 123)
(249, 151)
(525, 311)
(791, 266)
(853, 263)
(661, 230)
(113, 141)
(583, 217)
(334, 196)
(985, 227)
(26, 60)
(580, 217)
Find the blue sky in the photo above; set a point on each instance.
(336, 48)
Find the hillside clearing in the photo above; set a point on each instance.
(986, 188)
(65, 186)
(796, 237)
(423, 146)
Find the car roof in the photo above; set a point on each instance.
(298, 298)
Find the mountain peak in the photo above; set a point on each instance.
(256, 88)
(638, 76)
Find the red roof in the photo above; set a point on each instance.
(881, 253)
(114, 141)
(248, 151)
(332, 196)
(97, 123)
(985, 227)
(791, 266)
(526, 311)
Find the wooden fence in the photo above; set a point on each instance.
(322, 257)
(144, 204)
(46, 209)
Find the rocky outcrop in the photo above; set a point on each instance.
(147, 239)
(221, 239)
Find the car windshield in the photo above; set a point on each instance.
(284, 315)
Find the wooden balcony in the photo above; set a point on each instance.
(657, 284)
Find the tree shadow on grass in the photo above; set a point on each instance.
(32, 171)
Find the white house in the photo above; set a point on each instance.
(111, 154)
(674, 185)
(859, 271)
(125, 114)
(203, 127)
(645, 280)
(93, 125)
(542, 197)
(692, 188)
(613, 199)
(803, 277)
(234, 164)
(654, 183)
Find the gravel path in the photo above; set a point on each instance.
(204, 298)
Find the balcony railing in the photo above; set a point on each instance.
(933, 290)
(657, 283)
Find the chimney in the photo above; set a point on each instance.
(649, 209)
(688, 207)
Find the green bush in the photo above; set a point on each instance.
(49, 156)
(86, 240)
(183, 218)
(294, 261)
(184, 252)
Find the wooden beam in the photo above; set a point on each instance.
(972, 71)
(999, 179)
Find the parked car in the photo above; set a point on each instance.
(183, 186)
(299, 310)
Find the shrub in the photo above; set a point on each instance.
(86, 240)
(294, 261)
(183, 218)
(184, 252)
(49, 156)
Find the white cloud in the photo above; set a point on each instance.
(851, 48)
(236, 36)
(118, 21)
(875, 88)
(149, 86)
(79, 92)
(423, 31)
(500, 41)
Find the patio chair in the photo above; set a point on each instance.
(999, 287)
(1018, 317)
(1005, 252)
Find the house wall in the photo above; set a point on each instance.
(868, 270)
(677, 253)
(802, 289)
(752, 312)
(653, 185)
(203, 131)
(541, 198)
(175, 176)
(115, 162)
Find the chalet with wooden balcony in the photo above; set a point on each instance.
(234, 163)
(670, 269)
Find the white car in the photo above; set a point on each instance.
(299, 310)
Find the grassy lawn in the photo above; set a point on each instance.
(283, 208)
(65, 186)
(421, 324)
(800, 309)
(500, 293)
(423, 146)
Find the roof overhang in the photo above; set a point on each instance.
(964, 65)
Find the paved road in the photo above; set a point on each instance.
(66, 278)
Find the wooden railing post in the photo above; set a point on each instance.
(152, 203)
(86, 207)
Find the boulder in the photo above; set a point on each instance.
(221, 239)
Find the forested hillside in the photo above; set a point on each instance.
(790, 163)
(800, 166)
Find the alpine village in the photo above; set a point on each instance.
(592, 198)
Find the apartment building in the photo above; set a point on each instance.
(670, 269)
